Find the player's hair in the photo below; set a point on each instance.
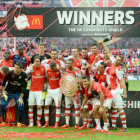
(86, 77)
(5, 69)
(52, 64)
(54, 50)
(76, 47)
(20, 46)
(105, 51)
(95, 44)
(19, 65)
(71, 60)
(104, 64)
(121, 57)
(37, 57)
(41, 45)
(7, 51)
(84, 48)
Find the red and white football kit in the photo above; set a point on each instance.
(35, 94)
(77, 63)
(92, 57)
(89, 105)
(116, 74)
(108, 97)
(72, 100)
(54, 87)
(37, 83)
(87, 121)
(54, 93)
(103, 78)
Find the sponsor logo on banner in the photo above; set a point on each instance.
(21, 22)
(29, 22)
(35, 21)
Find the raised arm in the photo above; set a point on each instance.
(105, 47)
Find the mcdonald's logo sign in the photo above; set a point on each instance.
(9, 116)
(35, 22)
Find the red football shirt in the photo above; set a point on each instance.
(77, 63)
(46, 63)
(38, 77)
(102, 78)
(9, 63)
(75, 73)
(92, 57)
(98, 87)
(53, 78)
(116, 74)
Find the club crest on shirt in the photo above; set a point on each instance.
(42, 69)
(26, 79)
(20, 77)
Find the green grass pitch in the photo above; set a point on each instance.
(35, 133)
(134, 85)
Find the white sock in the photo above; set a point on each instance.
(67, 114)
(46, 114)
(57, 115)
(98, 124)
(39, 114)
(67, 119)
(77, 120)
(106, 126)
(85, 121)
(30, 115)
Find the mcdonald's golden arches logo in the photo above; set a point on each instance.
(35, 21)
(9, 115)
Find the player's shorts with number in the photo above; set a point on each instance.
(53, 94)
(35, 98)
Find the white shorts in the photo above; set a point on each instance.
(93, 101)
(35, 98)
(53, 94)
(89, 107)
(72, 100)
(117, 101)
(107, 103)
(117, 91)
